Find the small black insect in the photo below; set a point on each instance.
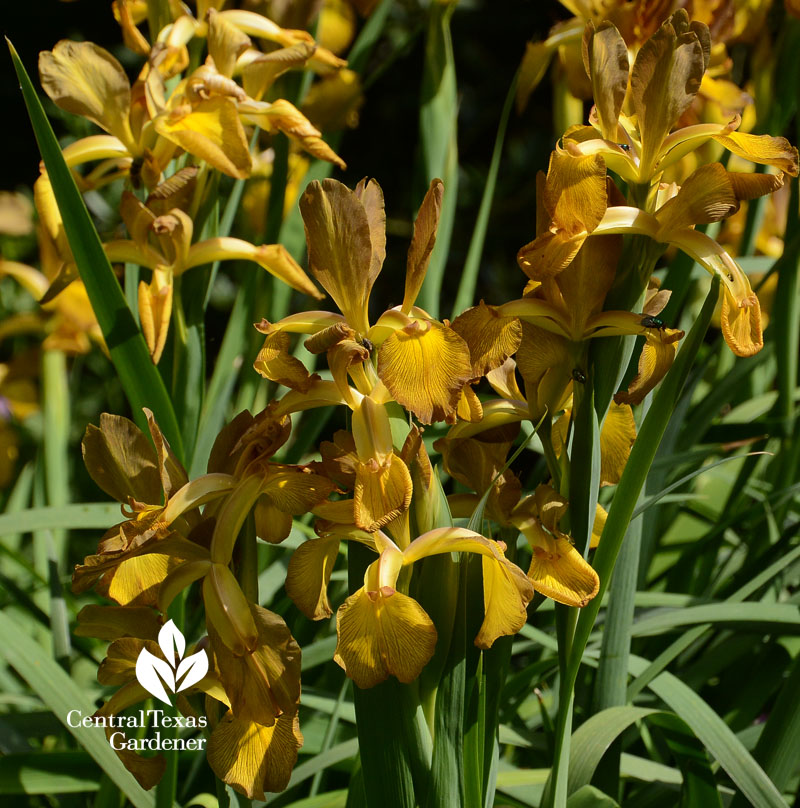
(368, 344)
(624, 146)
(578, 375)
(652, 322)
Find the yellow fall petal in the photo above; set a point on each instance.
(380, 633)
(763, 149)
(558, 570)
(210, 130)
(740, 321)
(252, 758)
(425, 366)
(506, 594)
(135, 581)
(296, 490)
(382, 492)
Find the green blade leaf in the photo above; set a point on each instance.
(141, 381)
(57, 690)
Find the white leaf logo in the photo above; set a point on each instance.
(157, 675)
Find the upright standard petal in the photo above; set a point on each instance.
(340, 249)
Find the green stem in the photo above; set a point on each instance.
(625, 499)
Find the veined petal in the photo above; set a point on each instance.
(309, 574)
(616, 439)
(87, 80)
(706, 196)
(382, 491)
(764, 149)
(210, 130)
(557, 569)
(296, 490)
(491, 338)
(252, 758)
(380, 633)
(425, 366)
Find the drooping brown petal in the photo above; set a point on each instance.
(121, 461)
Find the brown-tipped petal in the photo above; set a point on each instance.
(422, 242)
(173, 474)
(274, 362)
(252, 758)
(665, 79)
(741, 324)
(764, 149)
(382, 492)
(425, 366)
(309, 573)
(491, 338)
(658, 354)
(380, 633)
